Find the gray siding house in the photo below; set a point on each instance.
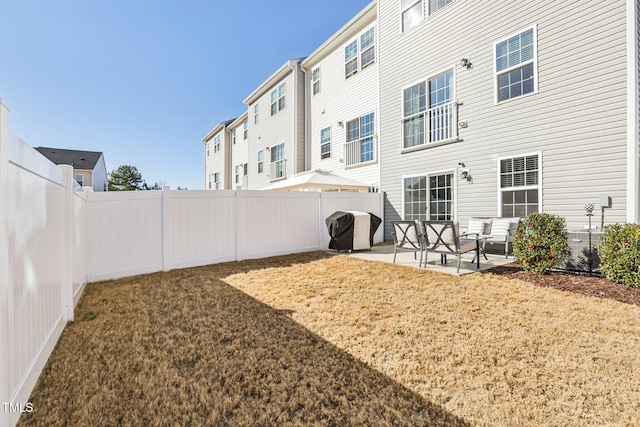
(505, 108)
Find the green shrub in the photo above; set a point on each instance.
(619, 251)
(541, 242)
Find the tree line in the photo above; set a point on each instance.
(128, 178)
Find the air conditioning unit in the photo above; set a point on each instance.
(580, 258)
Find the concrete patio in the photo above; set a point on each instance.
(384, 253)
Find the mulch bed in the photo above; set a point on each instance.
(584, 284)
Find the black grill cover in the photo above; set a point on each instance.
(341, 230)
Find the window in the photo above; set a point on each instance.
(315, 80)
(436, 5)
(515, 66)
(519, 185)
(367, 47)
(216, 143)
(233, 137)
(256, 114)
(245, 127)
(237, 174)
(412, 13)
(260, 161)
(207, 149)
(351, 58)
(429, 197)
(277, 162)
(277, 99)
(216, 180)
(80, 179)
(437, 112)
(210, 180)
(365, 44)
(359, 146)
(415, 198)
(325, 143)
(441, 197)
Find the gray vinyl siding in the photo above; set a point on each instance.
(577, 120)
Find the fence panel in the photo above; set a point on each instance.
(277, 222)
(36, 270)
(125, 234)
(201, 227)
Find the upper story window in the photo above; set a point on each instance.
(260, 161)
(207, 149)
(436, 5)
(315, 80)
(515, 65)
(245, 127)
(412, 13)
(216, 179)
(325, 143)
(233, 137)
(278, 162)
(216, 143)
(368, 47)
(278, 99)
(351, 58)
(365, 44)
(80, 179)
(359, 146)
(432, 118)
(256, 114)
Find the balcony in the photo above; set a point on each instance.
(359, 151)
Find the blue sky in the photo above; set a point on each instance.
(144, 80)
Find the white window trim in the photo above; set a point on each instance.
(430, 13)
(326, 143)
(374, 137)
(453, 172)
(402, 179)
(276, 90)
(314, 81)
(256, 114)
(428, 201)
(524, 187)
(402, 30)
(258, 161)
(533, 61)
(358, 55)
(425, 80)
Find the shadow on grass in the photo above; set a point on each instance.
(185, 348)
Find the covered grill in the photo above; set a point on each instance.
(352, 230)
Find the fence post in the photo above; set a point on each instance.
(67, 243)
(237, 231)
(166, 229)
(5, 277)
(321, 220)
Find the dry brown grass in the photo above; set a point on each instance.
(333, 340)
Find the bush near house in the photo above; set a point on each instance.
(619, 251)
(541, 242)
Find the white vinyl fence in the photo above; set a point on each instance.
(54, 239)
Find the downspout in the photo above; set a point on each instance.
(307, 122)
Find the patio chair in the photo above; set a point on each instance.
(442, 237)
(406, 237)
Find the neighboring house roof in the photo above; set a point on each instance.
(239, 121)
(85, 160)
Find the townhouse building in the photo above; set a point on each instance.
(217, 157)
(342, 102)
(239, 162)
(456, 109)
(276, 137)
(509, 107)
